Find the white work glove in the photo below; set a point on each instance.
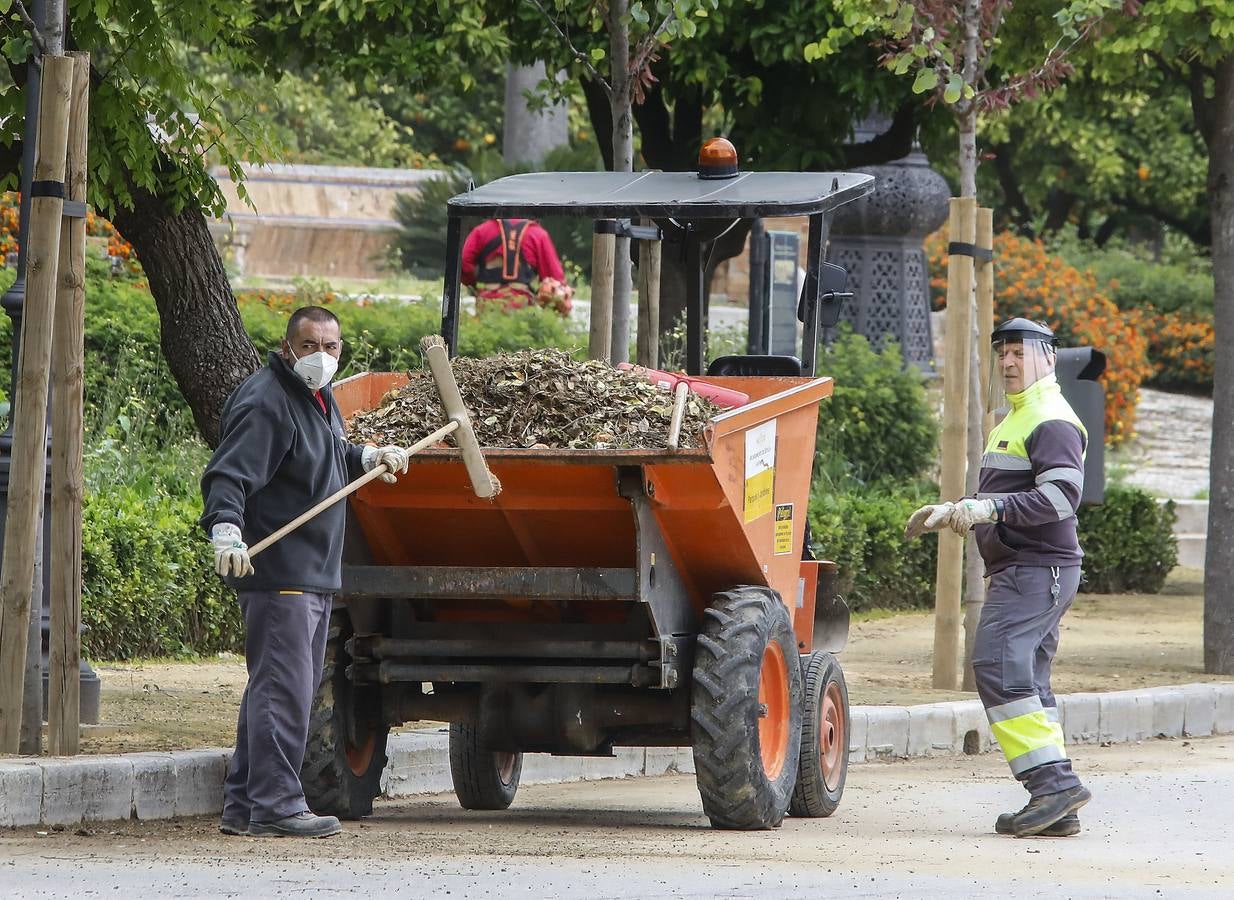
(967, 513)
(395, 459)
(928, 518)
(231, 554)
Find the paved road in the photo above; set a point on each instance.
(1158, 827)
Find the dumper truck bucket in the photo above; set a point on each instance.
(729, 513)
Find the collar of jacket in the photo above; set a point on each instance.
(1043, 387)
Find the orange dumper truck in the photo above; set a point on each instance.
(607, 598)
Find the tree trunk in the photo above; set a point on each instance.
(204, 341)
(670, 141)
(600, 114)
(1219, 559)
(530, 134)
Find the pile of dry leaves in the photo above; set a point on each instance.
(538, 398)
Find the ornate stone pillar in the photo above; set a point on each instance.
(878, 239)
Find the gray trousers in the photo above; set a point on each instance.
(284, 649)
(1012, 656)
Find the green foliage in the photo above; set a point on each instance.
(421, 241)
(148, 583)
(1136, 280)
(1128, 542)
(877, 437)
(878, 423)
(1138, 166)
(449, 122)
(862, 529)
(929, 42)
(312, 119)
(154, 109)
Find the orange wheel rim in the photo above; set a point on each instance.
(361, 757)
(505, 767)
(774, 705)
(831, 736)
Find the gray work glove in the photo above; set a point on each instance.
(928, 518)
(395, 459)
(967, 513)
(231, 554)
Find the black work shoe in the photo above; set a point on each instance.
(1067, 826)
(302, 824)
(1044, 811)
(234, 828)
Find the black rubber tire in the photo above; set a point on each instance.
(811, 795)
(735, 788)
(332, 785)
(476, 771)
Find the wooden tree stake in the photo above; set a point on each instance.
(599, 346)
(962, 229)
(974, 600)
(649, 303)
(67, 374)
(28, 468)
(985, 303)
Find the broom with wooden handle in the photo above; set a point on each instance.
(483, 482)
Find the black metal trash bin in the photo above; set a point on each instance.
(1078, 369)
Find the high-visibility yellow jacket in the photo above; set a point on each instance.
(1034, 466)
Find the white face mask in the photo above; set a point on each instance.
(316, 369)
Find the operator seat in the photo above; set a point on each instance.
(755, 365)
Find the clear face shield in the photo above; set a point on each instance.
(1016, 364)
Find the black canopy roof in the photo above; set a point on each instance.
(612, 195)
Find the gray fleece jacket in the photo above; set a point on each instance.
(278, 455)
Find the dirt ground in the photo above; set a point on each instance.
(920, 829)
(1109, 642)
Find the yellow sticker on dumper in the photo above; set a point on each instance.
(760, 470)
(784, 529)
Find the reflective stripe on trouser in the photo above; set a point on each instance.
(1012, 656)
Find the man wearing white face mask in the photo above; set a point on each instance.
(281, 450)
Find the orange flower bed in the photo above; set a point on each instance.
(1180, 346)
(96, 226)
(1031, 283)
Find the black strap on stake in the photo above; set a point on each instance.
(47, 189)
(624, 228)
(74, 209)
(956, 248)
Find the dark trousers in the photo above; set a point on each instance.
(284, 649)
(1012, 657)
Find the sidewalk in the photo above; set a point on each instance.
(67, 791)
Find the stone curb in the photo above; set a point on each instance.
(70, 790)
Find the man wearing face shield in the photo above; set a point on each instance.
(281, 451)
(1031, 479)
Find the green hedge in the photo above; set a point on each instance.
(148, 584)
(877, 436)
(1128, 542)
(878, 423)
(1182, 281)
(862, 529)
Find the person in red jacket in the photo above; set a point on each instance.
(501, 259)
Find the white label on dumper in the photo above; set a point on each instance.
(760, 470)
